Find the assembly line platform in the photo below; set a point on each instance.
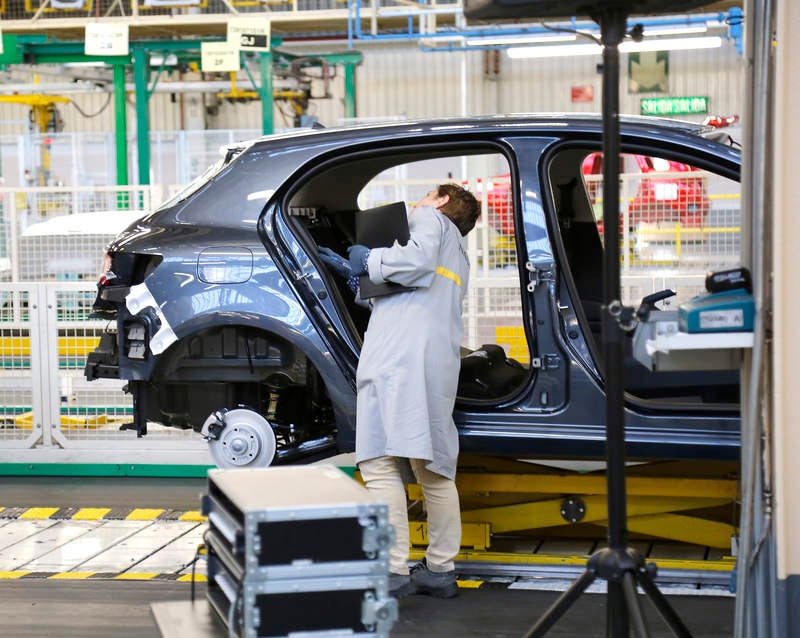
(112, 556)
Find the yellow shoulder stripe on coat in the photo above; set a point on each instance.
(449, 274)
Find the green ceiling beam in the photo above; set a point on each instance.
(19, 49)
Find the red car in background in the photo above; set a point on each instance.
(668, 192)
(663, 194)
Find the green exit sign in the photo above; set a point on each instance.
(674, 105)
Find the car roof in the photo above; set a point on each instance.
(590, 122)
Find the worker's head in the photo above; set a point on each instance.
(458, 204)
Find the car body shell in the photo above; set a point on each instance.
(228, 255)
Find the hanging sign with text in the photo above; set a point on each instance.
(674, 105)
(106, 38)
(249, 34)
(218, 57)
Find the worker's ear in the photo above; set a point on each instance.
(441, 201)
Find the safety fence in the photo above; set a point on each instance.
(48, 411)
(61, 233)
(89, 159)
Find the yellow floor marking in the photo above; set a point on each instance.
(11, 575)
(127, 576)
(40, 512)
(198, 577)
(143, 515)
(91, 513)
(469, 584)
(71, 576)
(195, 517)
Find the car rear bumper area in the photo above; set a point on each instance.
(103, 362)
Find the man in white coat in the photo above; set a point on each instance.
(407, 380)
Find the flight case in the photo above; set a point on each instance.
(278, 608)
(297, 550)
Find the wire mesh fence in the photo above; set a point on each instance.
(17, 425)
(46, 335)
(61, 233)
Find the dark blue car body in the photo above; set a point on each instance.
(233, 308)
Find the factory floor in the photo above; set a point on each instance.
(98, 607)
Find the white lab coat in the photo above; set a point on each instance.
(408, 371)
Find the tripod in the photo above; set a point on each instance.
(621, 566)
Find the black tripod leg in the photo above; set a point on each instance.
(561, 605)
(664, 608)
(634, 608)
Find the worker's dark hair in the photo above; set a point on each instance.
(462, 208)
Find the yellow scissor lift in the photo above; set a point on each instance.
(682, 514)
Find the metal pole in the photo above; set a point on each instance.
(350, 91)
(267, 104)
(140, 76)
(120, 125)
(613, 30)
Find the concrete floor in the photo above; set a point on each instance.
(103, 608)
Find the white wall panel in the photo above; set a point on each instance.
(409, 82)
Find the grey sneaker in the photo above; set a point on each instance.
(400, 585)
(434, 584)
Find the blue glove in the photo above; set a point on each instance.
(358, 259)
(337, 263)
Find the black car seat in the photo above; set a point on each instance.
(487, 373)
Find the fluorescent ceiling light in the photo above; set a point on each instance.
(417, 11)
(519, 39)
(676, 30)
(672, 44)
(664, 44)
(160, 60)
(558, 51)
(83, 65)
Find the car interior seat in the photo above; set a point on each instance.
(487, 373)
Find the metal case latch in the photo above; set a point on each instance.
(376, 538)
(378, 613)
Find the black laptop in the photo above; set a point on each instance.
(380, 227)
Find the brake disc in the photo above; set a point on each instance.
(245, 440)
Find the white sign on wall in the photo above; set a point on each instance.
(218, 57)
(249, 34)
(106, 38)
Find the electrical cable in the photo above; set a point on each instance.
(232, 633)
(201, 548)
(87, 115)
(583, 34)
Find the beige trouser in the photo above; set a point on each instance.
(384, 480)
